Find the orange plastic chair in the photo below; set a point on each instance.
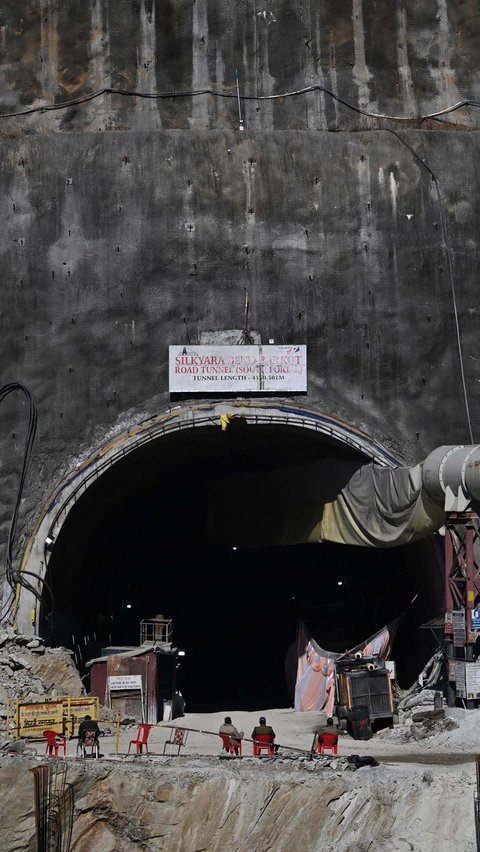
(231, 746)
(327, 741)
(54, 742)
(265, 742)
(142, 739)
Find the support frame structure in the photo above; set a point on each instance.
(462, 595)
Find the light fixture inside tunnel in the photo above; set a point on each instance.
(49, 542)
(179, 652)
(272, 482)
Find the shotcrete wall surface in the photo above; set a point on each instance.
(348, 213)
(132, 223)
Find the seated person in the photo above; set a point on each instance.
(235, 736)
(329, 728)
(263, 728)
(88, 724)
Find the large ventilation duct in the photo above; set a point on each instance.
(385, 507)
(451, 475)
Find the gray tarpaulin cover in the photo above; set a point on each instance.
(380, 507)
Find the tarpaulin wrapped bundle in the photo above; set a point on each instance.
(379, 645)
(380, 507)
(315, 685)
(345, 502)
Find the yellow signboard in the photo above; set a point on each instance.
(34, 718)
(75, 710)
(62, 715)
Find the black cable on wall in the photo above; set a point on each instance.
(12, 576)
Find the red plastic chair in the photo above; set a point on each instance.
(265, 742)
(54, 742)
(230, 746)
(327, 741)
(142, 739)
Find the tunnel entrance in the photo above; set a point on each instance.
(201, 525)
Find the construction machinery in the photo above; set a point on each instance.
(363, 682)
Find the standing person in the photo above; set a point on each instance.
(235, 736)
(263, 728)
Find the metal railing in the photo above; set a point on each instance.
(156, 630)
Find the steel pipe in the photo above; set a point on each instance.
(452, 467)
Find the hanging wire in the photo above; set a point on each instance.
(450, 272)
(245, 337)
(5, 391)
(214, 93)
(14, 577)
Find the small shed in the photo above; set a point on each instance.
(135, 682)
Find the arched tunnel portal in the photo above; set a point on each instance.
(207, 526)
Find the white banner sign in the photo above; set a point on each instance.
(472, 678)
(125, 682)
(233, 369)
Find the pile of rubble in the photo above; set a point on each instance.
(28, 669)
(310, 762)
(421, 715)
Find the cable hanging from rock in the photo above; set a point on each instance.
(14, 577)
(214, 93)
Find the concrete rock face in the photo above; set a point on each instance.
(33, 672)
(119, 808)
(123, 216)
(407, 60)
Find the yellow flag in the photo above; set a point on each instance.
(225, 421)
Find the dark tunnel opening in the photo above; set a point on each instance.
(198, 526)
